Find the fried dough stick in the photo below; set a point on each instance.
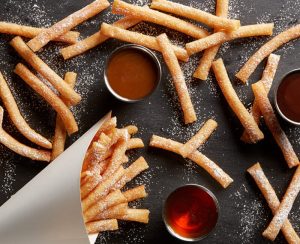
(284, 208)
(59, 84)
(221, 37)
(60, 133)
(43, 90)
(137, 215)
(210, 53)
(101, 225)
(30, 32)
(113, 212)
(156, 17)
(266, 50)
(95, 39)
(234, 102)
(102, 189)
(16, 117)
(199, 138)
(131, 172)
(267, 80)
(268, 113)
(140, 39)
(212, 168)
(178, 79)
(268, 192)
(112, 199)
(196, 14)
(19, 148)
(135, 193)
(67, 24)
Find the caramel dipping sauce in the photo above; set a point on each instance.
(132, 73)
(288, 97)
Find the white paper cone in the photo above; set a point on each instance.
(47, 210)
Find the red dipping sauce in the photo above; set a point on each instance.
(191, 212)
(288, 96)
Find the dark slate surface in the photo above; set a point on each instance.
(244, 214)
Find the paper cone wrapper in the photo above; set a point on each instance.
(47, 210)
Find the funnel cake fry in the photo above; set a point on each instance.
(267, 80)
(60, 133)
(284, 208)
(102, 189)
(131, 172)
(268, 113)
(134, 143)
(212, 168)
(268, 192)
(199, 138)
(196, 14)
(101, 225)
(178, 79)
(16, 117)
(266, 50)
(156, 17)
(70, 37)
(43, 90)
(95, 39)
(210, 53)
(112, 199)
(19, 148)
(135, 193)
(234, 102)
(139, 39)
(137, 215)
(221, 37)
(113, 212)
(67, 24)
(59, 84)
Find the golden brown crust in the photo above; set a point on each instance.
(70, 37)
(19, 148)
(112, 199)
(139, 39)
(236, 105)
(284, 208)
(209, 54)
(95, 39)
(212, 168)
(60, 133)
(65, 90)
(267, 80)
(57, 104)
(150, 15)
(178, 79)
(137, 215)
(199, 138)
(268, 192)
(221, 37)
(16, 117)
(266, 50)
(135, 193)
(273, 124)
(101, 225)
(196, 14)
(67, 24)
(102, 189)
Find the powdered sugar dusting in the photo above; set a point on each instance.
(250, 215)
(9, 173)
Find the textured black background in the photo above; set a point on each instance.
(244, 214)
